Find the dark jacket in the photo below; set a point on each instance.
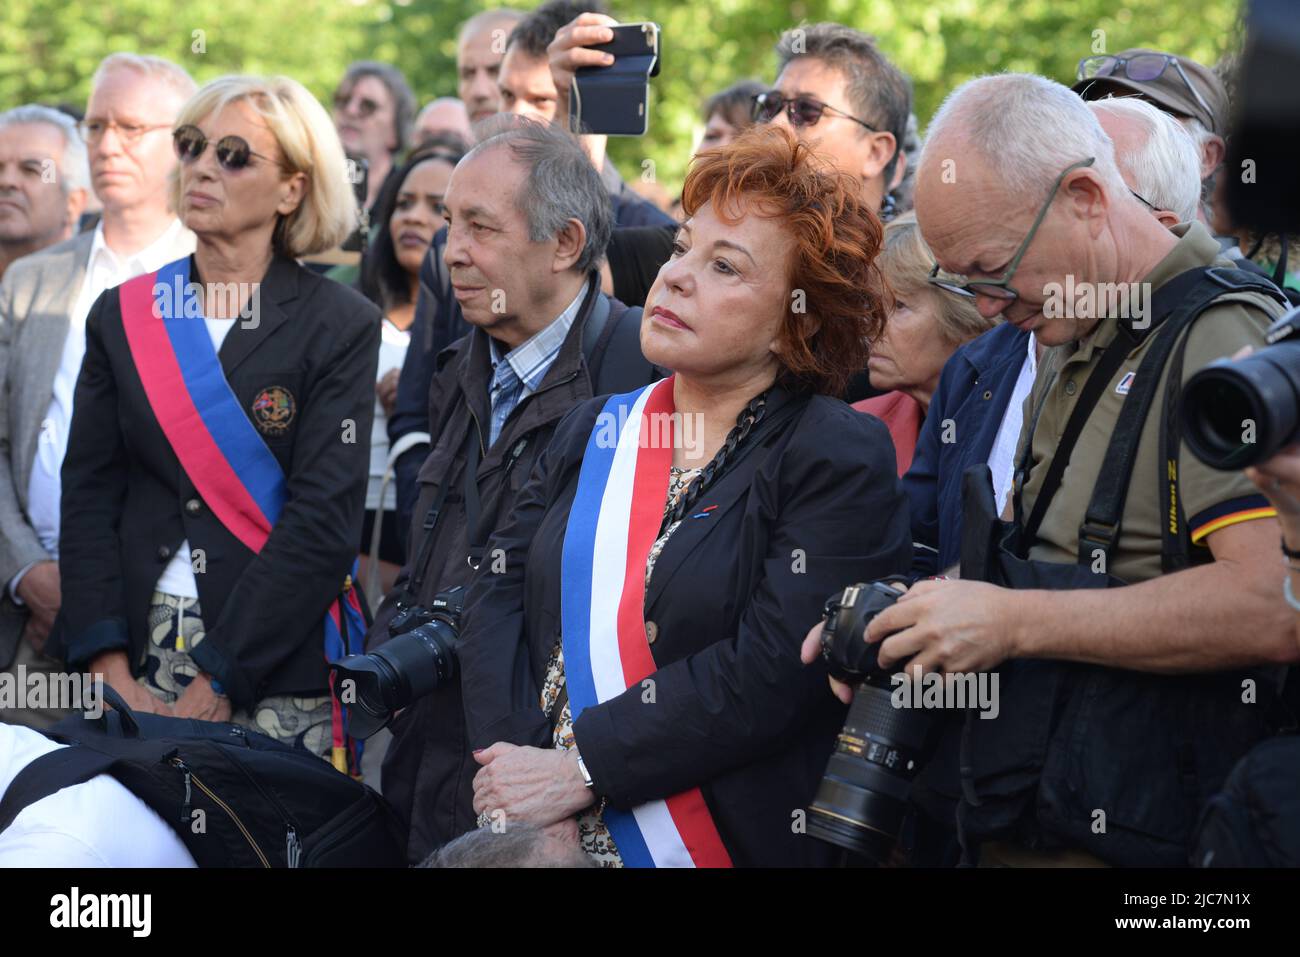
(811, 503)
(974, 389)
(428, 770)
(635, 255)
(128, 505)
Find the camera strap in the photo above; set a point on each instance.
(416, 581)
(1163, 302)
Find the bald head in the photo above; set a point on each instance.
(446, 114)
(1017, 171)
(479, 49)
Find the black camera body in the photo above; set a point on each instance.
(1239, 412)
(419, 657)
(862, 798)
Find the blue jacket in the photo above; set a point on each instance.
(974, 389)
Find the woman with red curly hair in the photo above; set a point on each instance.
(630, 660)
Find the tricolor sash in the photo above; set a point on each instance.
(617, 511)
(220, 450)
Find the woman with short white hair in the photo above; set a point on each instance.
(215, 479)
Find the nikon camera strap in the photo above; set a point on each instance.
(1100, 528)
(1163, 302)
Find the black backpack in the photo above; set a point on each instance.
(235, 798)
(1255, 820)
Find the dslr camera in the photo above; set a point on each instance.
(419, 657)
(1239, 412)
(862, 798)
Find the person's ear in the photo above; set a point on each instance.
(1212, 152)
(292, 190)
(1167, 218)
(569, 244)
(880, 150)
(1086, 194)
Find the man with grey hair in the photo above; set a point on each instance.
(44, 180)
(528, 221)
(1121, 709)
(374, 110)
(44, 302)
(1156, 156)
(1188, 91)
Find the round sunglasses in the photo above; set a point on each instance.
(233, 152)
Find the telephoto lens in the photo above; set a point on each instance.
(1239, 412)
(419, 657)
(862, 798)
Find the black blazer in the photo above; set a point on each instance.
(812, 504)
(127, 504)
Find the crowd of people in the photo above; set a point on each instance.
(647, 436)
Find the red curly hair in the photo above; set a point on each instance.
(767, 172)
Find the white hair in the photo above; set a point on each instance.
(1166, 168)
(1027, 128)
(74, 168)
(164, 71)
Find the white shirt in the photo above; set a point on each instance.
(178, 577)
(1002, 457)
(393, 344)
(104, 270)
(96, 824)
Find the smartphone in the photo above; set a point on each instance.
(614, 100)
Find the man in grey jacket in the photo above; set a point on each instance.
(44, 301)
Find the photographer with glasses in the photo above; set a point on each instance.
(1124, 714)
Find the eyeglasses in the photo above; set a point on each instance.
(801, 110)
(1144, 201)
(92, 131)
(1142, 68)
(233, 152)
(365, 106)
(1001, 288)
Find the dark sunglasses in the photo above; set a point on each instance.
(365, 106)
(233, 152)
(801, 110)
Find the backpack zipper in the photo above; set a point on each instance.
(190, 776)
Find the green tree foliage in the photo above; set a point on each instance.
(49, 48)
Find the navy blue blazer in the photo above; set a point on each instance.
(974, 390)
(813, 504)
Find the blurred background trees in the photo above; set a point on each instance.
(49, 48)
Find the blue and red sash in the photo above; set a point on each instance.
(617, 511)
(218, 446)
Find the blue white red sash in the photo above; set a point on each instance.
(617, 511)
(220, 450)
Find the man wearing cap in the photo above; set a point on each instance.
(1183, 88)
